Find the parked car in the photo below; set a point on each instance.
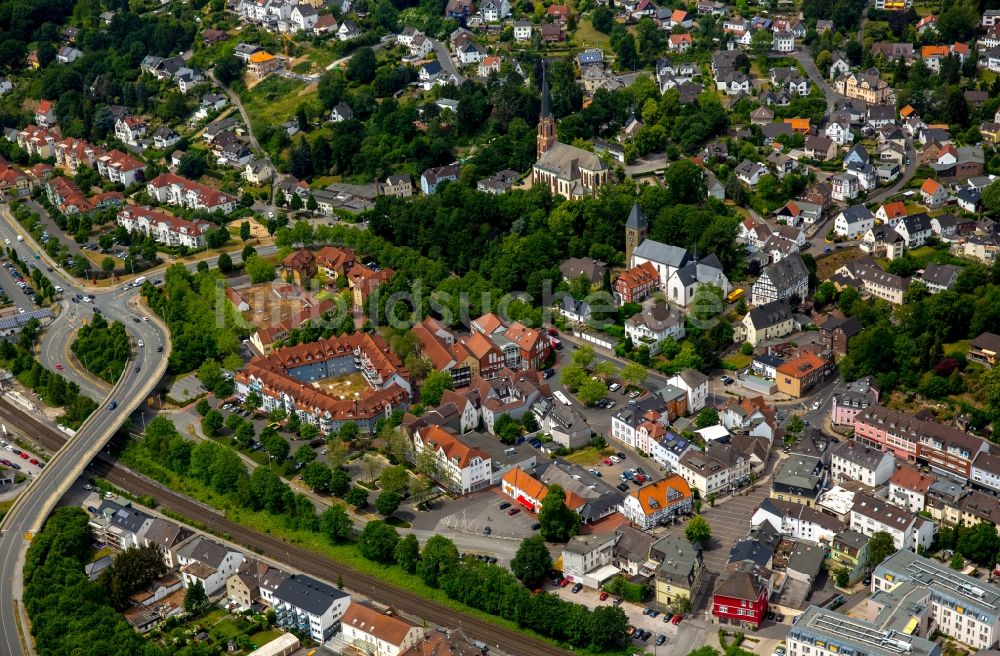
(660, 639)
(505, 505)
(563, 583)
(536, 526)
(577, 588)
(603, 595)
(607, 461)
(513, 511)
(487, 531)
(677, 619)
(614, 387)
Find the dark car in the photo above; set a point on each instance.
(577, 588)
(159, 349)
(660, 639)
(621, 454)
(513, 511)
(487, 530)
(549, 373)
(536, 526)
(505, 505)
(623, 487)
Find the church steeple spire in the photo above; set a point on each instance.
(546, 121)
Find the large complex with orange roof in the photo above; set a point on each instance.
(284, 379)
(658, 502)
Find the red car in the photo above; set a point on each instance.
(58, 367)
(5, 462)
(513, 511)
(677, 619)
(24, 456)
(34, 461)
(553, 332)
(603, 596)
(607, 461)
(563, 583)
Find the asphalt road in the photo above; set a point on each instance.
(33, 506)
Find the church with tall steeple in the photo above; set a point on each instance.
(567, 170)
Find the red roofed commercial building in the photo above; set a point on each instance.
(533, 347)
(529, 492)
(120, 167)
(489, 359)
(164, 228)
(797, 376)
(637, 283)
(287, 380)
(462, 468)
(379, 633)
(658, 502)
(741, 596)
(175, 190)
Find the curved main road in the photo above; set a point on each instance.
(30, 510)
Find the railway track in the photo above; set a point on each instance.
(278, 550)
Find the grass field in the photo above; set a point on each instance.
(274, 100)
(737, 361)
(586, 35)
(346, 386)
(587, 457)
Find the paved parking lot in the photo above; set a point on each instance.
(485, 512)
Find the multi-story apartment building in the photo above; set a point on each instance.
(960, 606)
(820, 632)
(175, 190)
(164, 228)
(310, 606)
(461, 467)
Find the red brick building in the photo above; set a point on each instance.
(637, 283)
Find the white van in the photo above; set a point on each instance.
(562, 397)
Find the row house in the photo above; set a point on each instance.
(908, 488)
(175, 190)
(203, 560)
(164, 228)
(853, 399)
(911, 439)
(717, 470)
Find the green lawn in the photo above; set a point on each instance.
(586, 457)
(587, 36)
(261, 638)
(275, 100)
(737, 361)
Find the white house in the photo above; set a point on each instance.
(309, 606)
(909, 531)
(933, 193)
(749, 173)
(852, 461)
(916, 229)
(494, 11)
(522, 30)
(695, 384)
(839, 132)
(209, 562)
(655, 324)
(657, 502)
(130, 129)
(853, 222)
(844, 187)
(797, 521)
(784, 42)
(379, 633)
(908, 488)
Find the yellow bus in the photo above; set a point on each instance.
(735, 295)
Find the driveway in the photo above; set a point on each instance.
(805, 59)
